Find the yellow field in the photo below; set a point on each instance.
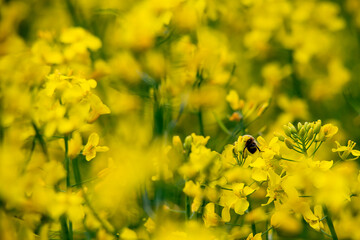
(179, 119)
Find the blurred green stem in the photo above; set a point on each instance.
(201, 124)
(330, 223)
(106, 225)
(253, 227)
(221, 124)
(316, 148)
(64, 228)
(41, 140)
(266, 232)
(33, 143)
(187, 207)
(68, 185)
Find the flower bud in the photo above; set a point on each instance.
(299, 126)
(321, 136)
(187, 142)
(292, 127)
(177, 143)
(302, 132)
(287, 130)
(317, 126)
(288, 143)
(279, 136)
(310, 134)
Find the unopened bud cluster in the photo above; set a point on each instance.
(302, 136)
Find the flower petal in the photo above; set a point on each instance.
(356, 153)
(102, 148)
(93, 139)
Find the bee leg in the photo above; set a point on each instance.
(258, 148)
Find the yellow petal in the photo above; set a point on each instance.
(261, 141)
(356, 153)
(259, 175)
(340, 149)
(225, 214)
(90, 155)
(248, 190)
(241, 206)
(102, 149)
(93, 139)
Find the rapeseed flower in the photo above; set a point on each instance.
(345, 151)
(91, 147)
(186, 87)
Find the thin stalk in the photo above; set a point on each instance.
(269, 229)
(221, 125)
(107, 226)
(187, 208)
(85, 181)
(296, 139)
(253, 227)
(297, 150)
(325, 233)
(67, 161)
(290, 160)
(330, 223)
(311, 142)
(201, 124)
(41, 141)
(233, 224)
(30, 155)
(316, 148)
(68, 185)
(304, 150)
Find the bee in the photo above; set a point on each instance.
(251, 145)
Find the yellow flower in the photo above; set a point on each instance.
(328, 130)
(92, 147)
(314, 219)
(233, 99)
(346, 150)
(97, 108)
(75, 145)
(252, 237)
(236, 199)
(211, 219)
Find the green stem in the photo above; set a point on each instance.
(68, 185)
(253, 227)
(187, 207)
(316, 148)
(30, 155)
(267, 231)
(314, 137)
(290, 160)
(297, 150)
(296, 138)
(41, 141)
(67, 161)
(221, 125)
(201, 124)
(64, 228)
(330, 223)
(325, 233)
(304, 149)
(108, 228)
